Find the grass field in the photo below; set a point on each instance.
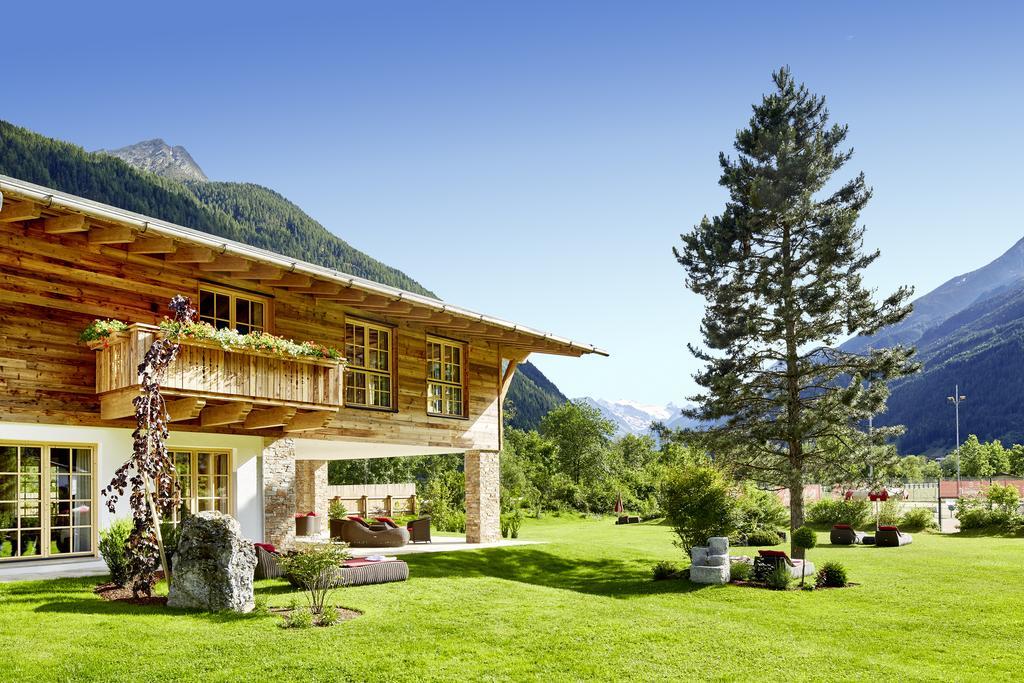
(581, 606)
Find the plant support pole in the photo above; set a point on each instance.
(159, 533)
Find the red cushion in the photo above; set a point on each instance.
(311, 514)
(841, 526)
(884, 495)
(888, 528)
(772, 553)
(387, 520)
(357, 518)
(266, 546)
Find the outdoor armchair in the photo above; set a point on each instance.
(844, 534)
(891, 537)
(419, 530)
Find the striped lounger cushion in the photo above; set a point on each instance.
(363, 573)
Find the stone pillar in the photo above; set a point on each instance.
(311, 490)
(279, 493)
(483, 497)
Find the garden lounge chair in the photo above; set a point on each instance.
(891, 537)
(358, 534)
(767, 560)
(419, 530)
(844, 534)
(267, 566)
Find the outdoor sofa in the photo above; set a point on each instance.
(354, 572)
(891, 537)
(357, 533)
(844, 534)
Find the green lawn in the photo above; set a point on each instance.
(579, 607)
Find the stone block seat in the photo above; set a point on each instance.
(710, 564)
(844, 534)
(769, 559)
(891, 537)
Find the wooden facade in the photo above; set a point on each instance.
(61, 269)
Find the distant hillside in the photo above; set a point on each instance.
(243, 212)
(953, 296)
(531, 397)
(981, 348)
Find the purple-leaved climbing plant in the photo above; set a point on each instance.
(149, 472)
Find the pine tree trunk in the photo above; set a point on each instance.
(796, 511)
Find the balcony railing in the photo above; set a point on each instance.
(212, 377)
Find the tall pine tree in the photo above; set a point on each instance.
(781, 271)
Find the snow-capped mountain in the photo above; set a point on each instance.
(632, 417)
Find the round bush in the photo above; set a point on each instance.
(779, 579)
(805, 538)
(831, 575)
(741, 571)
(917, 519)
(762, 537)
(665, 570)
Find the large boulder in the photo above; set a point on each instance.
(213, 565)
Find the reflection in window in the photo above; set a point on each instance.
(445, 381)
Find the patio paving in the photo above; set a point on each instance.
(38, 571)
(440, 544)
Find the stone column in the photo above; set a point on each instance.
(279, 492)
(483, 497)
(311, 489)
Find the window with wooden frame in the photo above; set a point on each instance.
(369, 375)
(205, 479)
(224, 308)
(446, 377)
(47, 500)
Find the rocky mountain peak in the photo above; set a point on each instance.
(156, 156)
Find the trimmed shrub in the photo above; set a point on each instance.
(805, 538)
(779, 578)
(114, 550)
(698, 503)
(763, 537)
(826, 512)
(889, 513)
(741, 571)
(758, 510)
(917, 519)
(665, 570)
(831, 575)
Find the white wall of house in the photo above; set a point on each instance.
(113, 445)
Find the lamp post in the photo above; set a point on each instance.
(956, 399)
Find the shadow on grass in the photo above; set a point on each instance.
(608, 577)
(87, 605)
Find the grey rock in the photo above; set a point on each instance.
(718, 545)
(156, 156)
(213, 565)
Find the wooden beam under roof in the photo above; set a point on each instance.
(320, 287)
(269, 417)
(191, 255)
(117, 234)
(228, 413)
(346, 295)
(308, 421)
(289, 280)
(59, 225)
(260, 271)
(12, 212)
(228, 263)
(152, 245)
(184, 409)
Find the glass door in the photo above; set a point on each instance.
(46, 501)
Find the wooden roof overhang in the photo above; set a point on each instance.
(142, 239)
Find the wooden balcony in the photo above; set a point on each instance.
(216, 387)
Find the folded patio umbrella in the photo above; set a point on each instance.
(619, 507)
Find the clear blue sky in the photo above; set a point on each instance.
(538, 160)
